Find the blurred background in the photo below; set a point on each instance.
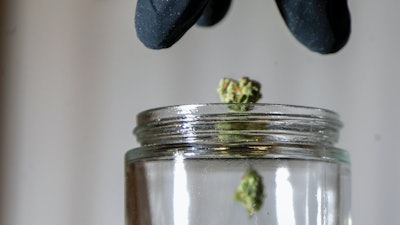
(75, 76)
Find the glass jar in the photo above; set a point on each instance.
(193, 167)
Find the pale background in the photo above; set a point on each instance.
(77, 76)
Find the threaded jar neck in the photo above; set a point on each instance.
(218, 124)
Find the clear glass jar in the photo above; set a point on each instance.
(193, 159)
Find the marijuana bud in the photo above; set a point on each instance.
(250, 191)
(242, 90)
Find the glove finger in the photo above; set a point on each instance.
(214, 12)
(321, 25)
(160, 24)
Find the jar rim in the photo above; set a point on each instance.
(218, 108)
(264, 128)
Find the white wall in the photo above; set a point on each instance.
(77, 76)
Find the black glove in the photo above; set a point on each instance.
(321, 25)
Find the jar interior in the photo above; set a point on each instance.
(200, 191)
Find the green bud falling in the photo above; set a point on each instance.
(242, 91)
(250, 191)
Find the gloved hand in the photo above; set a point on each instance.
(321, 25)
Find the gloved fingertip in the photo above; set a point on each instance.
(160, 24)
(322, 26)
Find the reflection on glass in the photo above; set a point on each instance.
(284, 198)
(181, 196)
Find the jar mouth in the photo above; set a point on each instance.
(201, 109)
(215, 123)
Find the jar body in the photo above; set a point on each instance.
(195, 183)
